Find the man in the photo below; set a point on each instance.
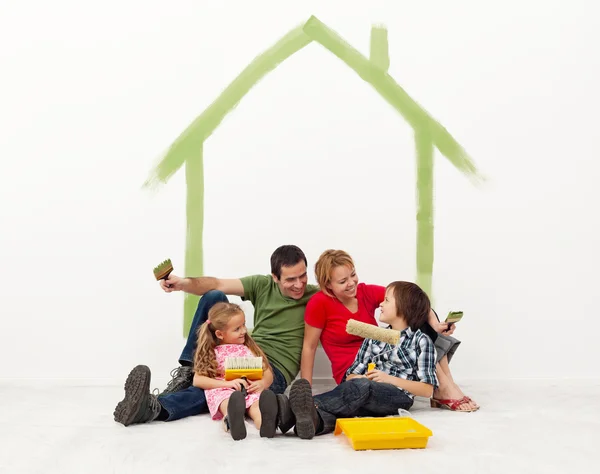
(279, 301)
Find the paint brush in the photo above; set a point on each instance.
(249, 368)
(163, 270)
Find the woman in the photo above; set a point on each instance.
(342, 298)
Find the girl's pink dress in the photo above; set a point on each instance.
(215, 396)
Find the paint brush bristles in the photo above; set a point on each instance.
(250, 368)
(163, 270)
(370, 331)
(243, 363)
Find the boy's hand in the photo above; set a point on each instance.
(378, 376)
(237, 384)
(256, 386)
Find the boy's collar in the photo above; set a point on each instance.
(407, 330)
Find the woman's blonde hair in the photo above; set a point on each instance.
(325, 265)
(205, 362)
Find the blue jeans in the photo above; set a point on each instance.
(359, 397)
(192, 400)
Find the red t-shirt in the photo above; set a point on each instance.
(330, 315)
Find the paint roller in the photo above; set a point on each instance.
(356, 328)
(369, 331)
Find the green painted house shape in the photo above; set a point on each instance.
(188, 147)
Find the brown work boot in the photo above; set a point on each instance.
(139, 405)
(303, 407)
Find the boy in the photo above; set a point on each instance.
(400, 372)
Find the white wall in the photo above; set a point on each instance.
(91, 95)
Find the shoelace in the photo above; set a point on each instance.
(154, 404)
(176, 373)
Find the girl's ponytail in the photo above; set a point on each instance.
(205, 362)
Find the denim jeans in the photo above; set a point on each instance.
(192, 400)
(359, 397)
(207, 301)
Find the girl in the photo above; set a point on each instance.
(225, 335)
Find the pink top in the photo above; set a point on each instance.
(215, 396)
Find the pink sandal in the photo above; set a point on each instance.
(452, 404)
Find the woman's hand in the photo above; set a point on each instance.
(443, 328)
(237, 384)
(256, 386)
(379, 376)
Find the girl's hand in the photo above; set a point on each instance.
(444, 328)
(237, 384)
(256, 386)
(378, 376)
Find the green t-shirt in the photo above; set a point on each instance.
(278, 322)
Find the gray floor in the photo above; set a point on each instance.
(523, 426)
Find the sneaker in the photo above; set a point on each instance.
(267, 403)
(303, 407)
(181, 378)
(285, 416)
(139, 405)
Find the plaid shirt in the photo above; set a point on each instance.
(413, 358)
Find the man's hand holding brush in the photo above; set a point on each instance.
(172, 283)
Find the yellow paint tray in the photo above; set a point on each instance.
(383, 433)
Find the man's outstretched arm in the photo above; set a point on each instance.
(201, 285)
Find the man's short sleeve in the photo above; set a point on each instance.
(315, 314)
(254, 285)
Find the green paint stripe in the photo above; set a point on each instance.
(412, 112)
(424, 190)
(194, 247)
(380, 55)
(199, 130)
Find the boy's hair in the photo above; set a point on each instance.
(325, 265)
(412, 303)
(286, 256)
(205, 362)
